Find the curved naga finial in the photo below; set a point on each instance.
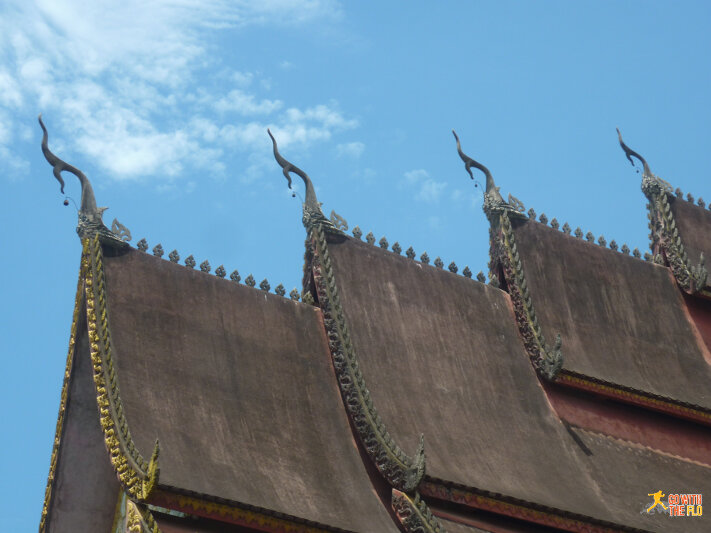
(469, 163)
(90, 216)
(665, 234)
(631, 153)
(493, 202)
(312, 207)
(651, 184)
(88, 202)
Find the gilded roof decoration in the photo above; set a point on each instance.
(137, 476)
(139, 519)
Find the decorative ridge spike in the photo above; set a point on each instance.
(90, 216)
(410, 252)
(589, 237)
(312, 214)
(220, 271)
(666, 244)
(493, 201)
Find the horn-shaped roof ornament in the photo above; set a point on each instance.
(666, 243)
(505, 265)
(493, 201)
(312, 213)
(651, 184)
(90, 216)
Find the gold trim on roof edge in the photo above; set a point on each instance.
(137, 476)
(64, 397)
(139, 519)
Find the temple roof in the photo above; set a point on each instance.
(237, 386)
(622, 320)
(441, 356)
(452, 342)
(266, 414)
(694, 223)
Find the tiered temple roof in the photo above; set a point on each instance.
(396, 395)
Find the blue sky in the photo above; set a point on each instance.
(165, 106)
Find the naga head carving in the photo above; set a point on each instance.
(312, 214)
(90, 216)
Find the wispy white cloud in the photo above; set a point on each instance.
(351, 149)
(242, 79)
(426, 188)
(122, 81)
(246, 104)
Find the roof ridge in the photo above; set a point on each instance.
(589, 236)
(690, 198)
(396, 248)
(198, 503)
(457, 492)
(645, 447)
(221, 272)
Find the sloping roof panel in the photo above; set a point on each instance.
(694, 224)
(622, 320)
(441, 356)
(237, 385)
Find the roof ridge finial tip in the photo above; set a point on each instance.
(90, 216)
(629, 153)
(469, 163)
(288, 167)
